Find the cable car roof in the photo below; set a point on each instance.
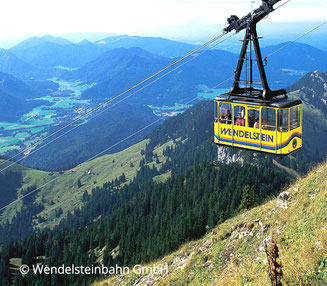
(275, 103)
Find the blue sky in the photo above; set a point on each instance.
(175, 19)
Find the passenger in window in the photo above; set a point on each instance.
(240, 121)
(228, 117)
(251, 119)
(222, 118)
(243, 113)
(256, 123)
(265, 124)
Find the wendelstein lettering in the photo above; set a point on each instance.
(247, 135)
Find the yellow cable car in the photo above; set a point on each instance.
(273, 127)
(253, 118)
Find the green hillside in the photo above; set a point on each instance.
(233, 253)
(64, 192)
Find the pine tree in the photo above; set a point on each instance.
(249, 199)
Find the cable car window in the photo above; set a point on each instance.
(225, 115)
(216, 115)
(239, 115)
(253, 116)
(268, 119)
(295, 117)
(283, 120)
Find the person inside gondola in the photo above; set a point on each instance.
(265, 124)
(251, 118)
(222, 118)
(240, 120)
(256, 123)
(228, 117)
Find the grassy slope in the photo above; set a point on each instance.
(61, 191)
(64, 192)
(30, 177)
(233, 252)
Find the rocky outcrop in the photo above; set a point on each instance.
(225, 157)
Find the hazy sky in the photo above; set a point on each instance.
(167, 18)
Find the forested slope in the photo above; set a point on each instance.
(293, 226)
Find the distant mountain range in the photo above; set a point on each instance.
(14, 95)
(36, 41)
(116, 70)
(157, 46)
(11, 64)
(50, 54)
(118, 61)
(45, 53)
(119, 69)
(77, 37)
(296, 56)
(48, 51)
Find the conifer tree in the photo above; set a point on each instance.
(248, 198)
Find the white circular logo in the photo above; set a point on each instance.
(24, 269)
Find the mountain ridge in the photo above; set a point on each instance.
(298, 56)
(49, 51)
(34, 41)
(14, 97)
(179, 86)
(11, 64)
(154, 45)
(313, 87)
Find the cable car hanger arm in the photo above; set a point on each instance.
(234, 23)
(249, 23)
